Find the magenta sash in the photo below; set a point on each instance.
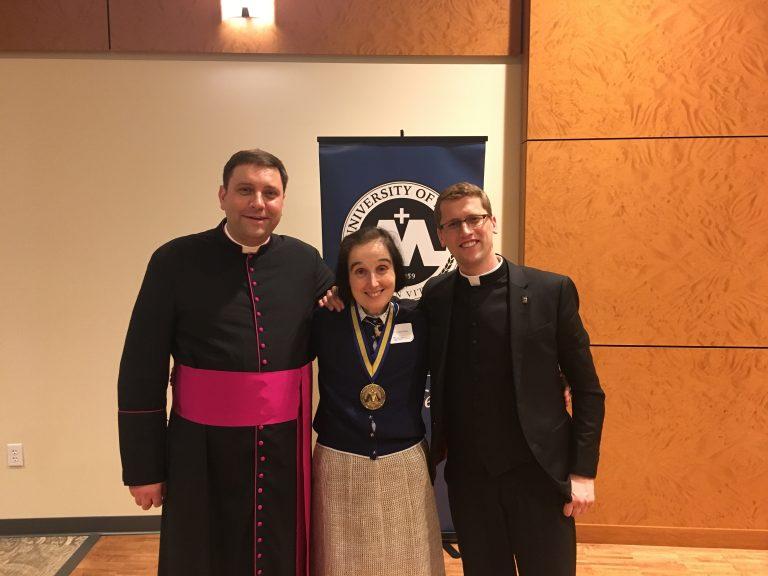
(222, 398)
(219, 398)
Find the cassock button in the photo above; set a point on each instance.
(253, 283)
(261, 426)
(259, 555)
(256, 299)
(261, 474)
(258, 572)
(259, 540)
(259, 507)
(260, 490)
(261, 442)
(261, 328)
(262, 345)
(258, 314)
(259, 524)
(262, 458)
(264, 362)
(250, 268)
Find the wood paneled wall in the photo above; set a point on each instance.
(54, 25)
(666, 239)
(646, 163)
(322, 27)
(648, 68)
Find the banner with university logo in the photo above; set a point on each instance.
(393, 183)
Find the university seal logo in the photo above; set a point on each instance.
(406, 211)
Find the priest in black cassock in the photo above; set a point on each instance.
(232, 307)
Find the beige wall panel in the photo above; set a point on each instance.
(666, 239)
(54, 25)
(685, 438)
(648, 68)
(103, 160)
(335, 27)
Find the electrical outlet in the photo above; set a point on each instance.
(15, 455)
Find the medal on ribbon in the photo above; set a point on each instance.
(372, 396)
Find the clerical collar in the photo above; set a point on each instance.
(246, 249)
(362, 314)
(486, 276)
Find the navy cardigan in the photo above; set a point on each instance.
(341, 421)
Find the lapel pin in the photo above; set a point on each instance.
(524, 299)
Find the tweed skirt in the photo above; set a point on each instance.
(374, 517)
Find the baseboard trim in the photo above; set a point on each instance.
(79, 525)
(672, 536)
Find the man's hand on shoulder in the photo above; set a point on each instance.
(331, 300)
(148, 495)
(582, 495)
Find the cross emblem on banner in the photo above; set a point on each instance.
(401, 216)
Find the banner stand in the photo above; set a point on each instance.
(393, 182)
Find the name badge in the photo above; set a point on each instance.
(402, 333)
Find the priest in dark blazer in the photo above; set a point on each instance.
(519, 466)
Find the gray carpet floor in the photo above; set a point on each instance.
(37, 555)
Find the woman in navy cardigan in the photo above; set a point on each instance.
(373, 509)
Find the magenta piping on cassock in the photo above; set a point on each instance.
(304, 468)
(222, 398)
(253, 307)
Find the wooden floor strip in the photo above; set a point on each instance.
(137, 556)
(77, 557)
